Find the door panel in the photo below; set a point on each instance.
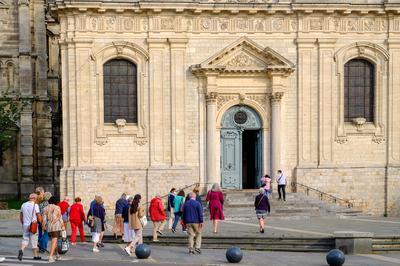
(231, 159)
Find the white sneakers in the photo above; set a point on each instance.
(128, 250)
(96, 250)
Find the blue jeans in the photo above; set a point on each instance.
(43, 238)
(176, 220)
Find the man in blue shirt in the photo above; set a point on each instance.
(193, 218)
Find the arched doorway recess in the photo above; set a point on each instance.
(241, 148)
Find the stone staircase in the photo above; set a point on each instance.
(385, 245)
(239, 205)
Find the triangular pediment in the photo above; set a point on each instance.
(245, 55)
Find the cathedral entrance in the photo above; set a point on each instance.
(241, 148)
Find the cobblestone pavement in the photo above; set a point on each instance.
(113, 254)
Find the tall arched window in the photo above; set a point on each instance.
(359, 87)
(120, 91)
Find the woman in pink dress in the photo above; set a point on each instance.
(215, 199)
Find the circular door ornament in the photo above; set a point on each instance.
(240, 117)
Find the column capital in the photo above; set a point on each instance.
(23, 2)
(211, 97)
(275, 97)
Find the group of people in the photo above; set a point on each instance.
(43, 217)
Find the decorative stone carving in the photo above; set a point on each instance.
(101, 141)
(359, 122)
(275, 97)
(316, 24)
(223, 99)
(211, 96)
(378, 139)
(167, 23)
(128, 24)
(140, 141)
(241, 60)
(120, 125)
(261, 99)
(341, 140)
(277, 24)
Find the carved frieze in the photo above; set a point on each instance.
(223, 99)
(242, 60)
(229, 23)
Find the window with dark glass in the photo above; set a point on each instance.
(359, 86)
(120, 91)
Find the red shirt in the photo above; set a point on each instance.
(156, 210)
(63, 206)
(76, 213)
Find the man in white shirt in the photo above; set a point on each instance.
(281, 180)
(29, 213)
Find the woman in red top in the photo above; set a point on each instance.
(76, 218)
(215, 199)
(157, 215)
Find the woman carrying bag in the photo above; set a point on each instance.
(53, 224)
(136, 221)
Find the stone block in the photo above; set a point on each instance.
(353, 242)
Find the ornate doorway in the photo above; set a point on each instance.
(241, 148)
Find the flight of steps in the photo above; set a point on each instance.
(382, 245)
(239, 204)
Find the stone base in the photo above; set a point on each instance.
(110, 183)
(352, 242)
(362, 186)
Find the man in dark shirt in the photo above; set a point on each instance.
(193, 218)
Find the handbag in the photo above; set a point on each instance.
(143, 221)
(33, 227)
(62, 245)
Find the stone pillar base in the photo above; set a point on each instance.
(353, 242)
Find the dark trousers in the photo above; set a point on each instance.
(282, 187)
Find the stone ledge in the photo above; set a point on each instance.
(353, 242)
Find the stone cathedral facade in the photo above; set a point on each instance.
(29, 71)
(160, 94)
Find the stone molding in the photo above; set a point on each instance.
(139, 56)
(379, 57)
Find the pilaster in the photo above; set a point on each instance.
(211, 164)
(307, 102)
(275, 101)
(159, 120)
(178, 82)
(326, 100)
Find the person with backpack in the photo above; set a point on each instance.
(262, 207)
(170, 207)
(281, 180)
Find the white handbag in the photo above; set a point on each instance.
(143, 220)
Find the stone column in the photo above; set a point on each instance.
(211, 164)
(275, 99)
(25, 83)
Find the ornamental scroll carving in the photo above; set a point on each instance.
(241, 60)
(223, 99)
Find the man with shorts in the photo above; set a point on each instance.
(29, 213)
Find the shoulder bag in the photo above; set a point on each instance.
(34, 225)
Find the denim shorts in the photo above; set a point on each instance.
(261, 214)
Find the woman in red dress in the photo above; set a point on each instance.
(216, 200)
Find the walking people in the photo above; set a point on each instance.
(43, 235)
(281, 180)
(129, 234)
(118, 228)
(262, 207)
(53, 224)
(136, 212)
(76, 219)
(64, 206)
(29, 218)
(266, 184)
(216, 201)
(170, 207)
(179, 200)
(193, 218)
(99, 214)
(157, 216)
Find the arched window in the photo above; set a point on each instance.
(120, 91)
(359, 87)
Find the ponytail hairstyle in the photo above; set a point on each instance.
(135, 204)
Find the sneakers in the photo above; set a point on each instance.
(37, 258)
(73, 244)
(156, 240)
(100, 245)
(197, 250)
(128, 250)
(191, 251)
(173, 230)
(262, 231)
(20, 254)
(160, 233)
(96, 250)
(51, 260)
